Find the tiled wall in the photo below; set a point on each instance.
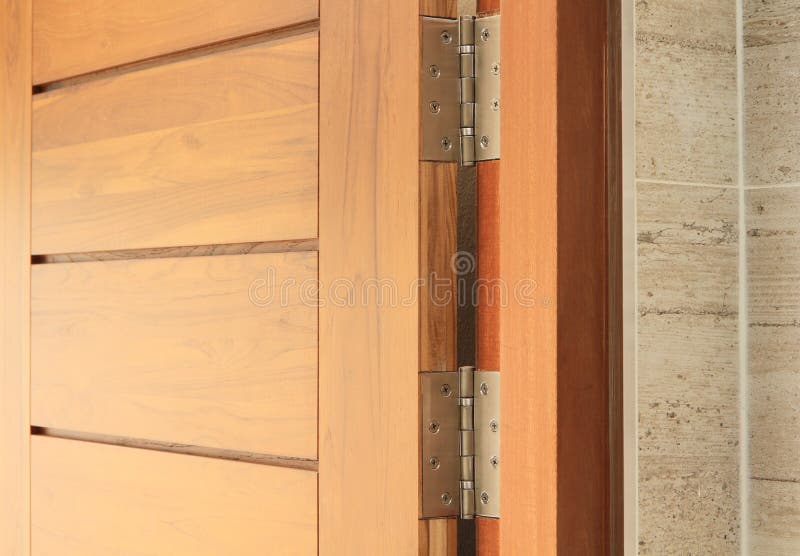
(687, 237)
(772, 146)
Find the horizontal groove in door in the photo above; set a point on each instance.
(214, 149)
(95, 499)
(176, 448)
(186, 350)
(72, 38)
(181, 251)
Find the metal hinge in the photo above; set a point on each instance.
(460, 443)
(460, 81)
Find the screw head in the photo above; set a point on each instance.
(446, 390)
(447, 499)
(446, 144)
(484, 388)
(485, 497)
(495, 68)
(435, 107)
(434, 462)
(485, 34)
(433, 427)
(493, 425)
(484, 141)
(495, 104)
(446, 37)
(434, 71)
(494, 460)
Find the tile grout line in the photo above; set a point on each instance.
(773, 186)
(743, 313)
(687, 183)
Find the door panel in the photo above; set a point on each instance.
(186, 350)
(225, 152)
(91, 499)
(72, 38)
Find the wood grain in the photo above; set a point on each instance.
(225, 152)
(369, 229)
(438, 537)
(15, 137)
(95, 499)
(554, 209)
(437, 246)
(68, 41)
(187, 350)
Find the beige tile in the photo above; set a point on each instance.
(686, 95)
(688, 434)
(689, 513)
(687, 369)
(772, 113)
(770, 22)
(710, 23)
(775, 518)
(775, 402)
(773, 255)
(688, 249)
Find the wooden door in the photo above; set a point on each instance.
(215, 233)
(180, 183)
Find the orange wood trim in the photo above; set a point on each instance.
(554, 230)
(489, 300)
(15, 183)
(488, 536)
(369, 229)
(488, 333)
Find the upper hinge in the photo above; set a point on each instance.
(460, 82)
(460, 443)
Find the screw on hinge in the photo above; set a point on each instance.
(446, 390)
(433, 427)
(485, 497)
(447, 499)
(495, 69)
(434, 71)
(484, 141)
(495, 104)
(494, 460)
(434, 462)
(485, 34)
(484, 388)
(446, 144)
(493, 425)
(435, 107)
(446, 37)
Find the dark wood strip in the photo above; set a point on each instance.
(182, 251)
(234, 455)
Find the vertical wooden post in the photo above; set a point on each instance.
(15, 257)
(368, 230)
(558, 333)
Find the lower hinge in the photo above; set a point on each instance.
(460, 89)
(460, 443)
